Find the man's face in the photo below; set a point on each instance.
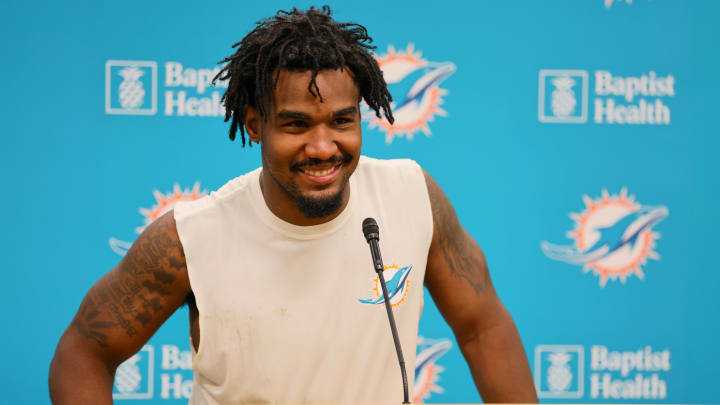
(309, 148)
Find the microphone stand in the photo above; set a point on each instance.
(372, 235)
(396, 339)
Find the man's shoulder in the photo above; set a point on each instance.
(400, 175)
(372, 164)
(226, 191)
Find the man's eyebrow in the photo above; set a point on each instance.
(287, 114)
(345, 111)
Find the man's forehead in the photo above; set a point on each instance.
(294, 114)
(297, 85)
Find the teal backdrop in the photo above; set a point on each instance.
(577, 140)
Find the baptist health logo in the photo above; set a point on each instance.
(130, 87)
(634, 374)
(134, 377)
(563, 97)
(559, 371)
(567, 93)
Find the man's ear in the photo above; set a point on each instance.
(253, 121)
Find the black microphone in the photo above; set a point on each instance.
(371, 230)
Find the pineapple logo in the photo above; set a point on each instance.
(130, 87)
(613, 237)
(563, 98)
(131, 90)
(567, 101)
(559, 371)
(134, 377)
(127, 376)
(559, 375)
(163, 203)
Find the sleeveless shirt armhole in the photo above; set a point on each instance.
(185, 214)
(426, 196)
(187, 208)
(183, 211)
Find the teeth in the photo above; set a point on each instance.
(319, 173)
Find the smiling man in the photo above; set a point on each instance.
(273, 265)
(309, 148)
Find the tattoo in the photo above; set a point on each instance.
(177, 264)
(155, 287)
(122, 321)
(132, 295)
(163, 277)
(143, 317)
(88, 326)
(463, 257)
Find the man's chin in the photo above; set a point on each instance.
(321, 206)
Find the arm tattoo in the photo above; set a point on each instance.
(130, 296)
(88, 326)
(462, 255)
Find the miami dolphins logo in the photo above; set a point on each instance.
(613, 237)
(427, 372)
(415, 86)
(163, 204)
(609, 3)
(398, 284)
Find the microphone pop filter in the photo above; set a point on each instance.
(370, 229)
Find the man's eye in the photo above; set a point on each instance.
(341, 121)
(297, 124)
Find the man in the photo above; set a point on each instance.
(274, 266)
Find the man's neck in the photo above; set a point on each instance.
(285, 207)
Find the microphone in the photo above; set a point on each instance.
(371, 230)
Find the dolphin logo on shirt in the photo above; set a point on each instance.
(396, 286)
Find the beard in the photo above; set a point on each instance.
(314, 207)
(320, 207)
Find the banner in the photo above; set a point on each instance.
(577, 141)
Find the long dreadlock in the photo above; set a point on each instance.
(296, 40)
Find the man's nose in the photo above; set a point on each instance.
(321, 143)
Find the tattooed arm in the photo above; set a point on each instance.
(458, 280)
(119, 314)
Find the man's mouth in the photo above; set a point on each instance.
(320, 175)
(319, 172)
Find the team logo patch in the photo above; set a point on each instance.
(414, 84)
(427, 372)
(163, 204)
(613, 237)
(398, 284)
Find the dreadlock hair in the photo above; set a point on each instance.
(297, 41)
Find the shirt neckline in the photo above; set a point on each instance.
(298, 231)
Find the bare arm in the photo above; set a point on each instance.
(119, 314)
(458, 280)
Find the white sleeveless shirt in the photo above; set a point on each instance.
(293, 314)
